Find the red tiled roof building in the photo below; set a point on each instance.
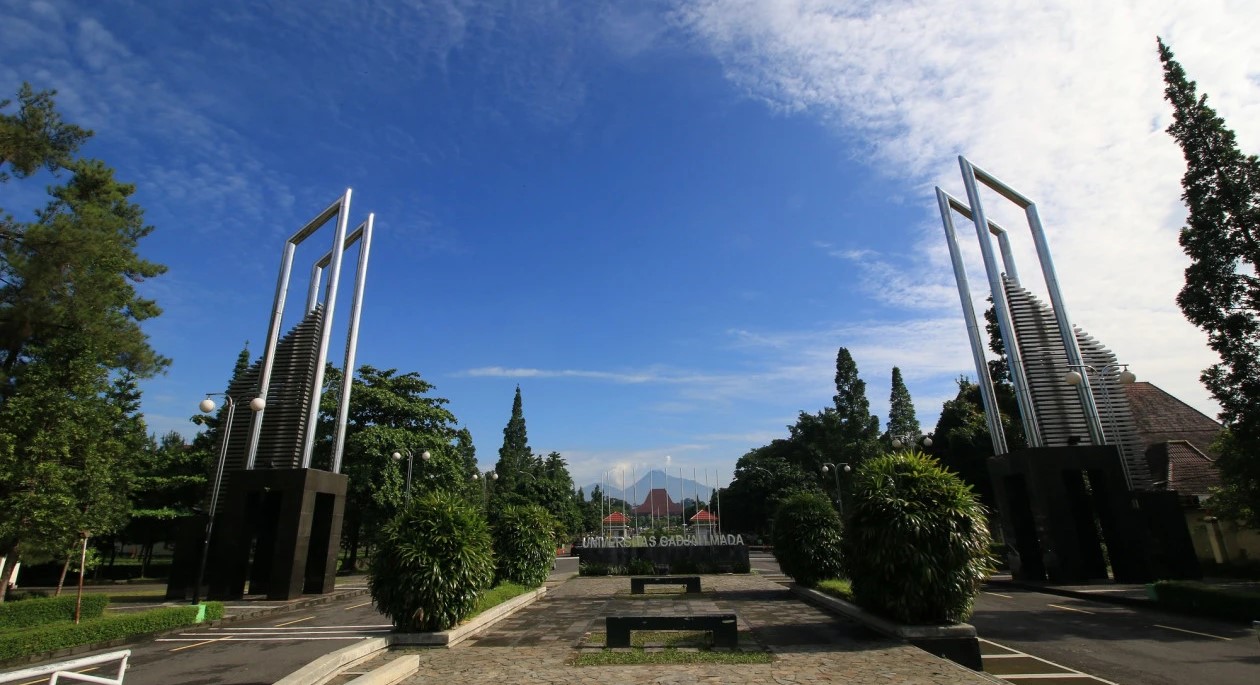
(658, 503)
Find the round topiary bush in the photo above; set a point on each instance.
(917, 544)
(524, 546)
(806, 538)
(432, 561)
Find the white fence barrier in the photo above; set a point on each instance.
(67, 670)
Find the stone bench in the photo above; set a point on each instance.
(723, 627)
(637, 582)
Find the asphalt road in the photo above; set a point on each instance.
(1129, 646)
(257, 651)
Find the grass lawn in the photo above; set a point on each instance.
(837, 587)
(667, 647)
(498, 595)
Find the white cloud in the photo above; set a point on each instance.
(1063, 100)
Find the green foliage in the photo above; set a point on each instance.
(763, 478)
(35, 136)
(524, 549)
(35, 612)
(901, 416)
(392, 412)
(431, 563)
(515, 455)
(497, 595)
(71, 344)
(1206, 600)
(917, 543)
(961, 439)
(836, 587)
(640, 567)
(52, 637)
(807, 538)
(1222, 291)
(593, 568)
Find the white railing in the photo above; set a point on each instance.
(66, 670)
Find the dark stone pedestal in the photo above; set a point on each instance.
(278, 529)
(1061, 505)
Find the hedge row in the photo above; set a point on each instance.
(29, 613)
(50, 638)
(1206, 600)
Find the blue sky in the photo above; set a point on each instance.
(660, 218)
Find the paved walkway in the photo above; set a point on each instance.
(810, 645)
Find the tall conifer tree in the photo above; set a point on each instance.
(1222, 291)
(901, 418)
(514, 455)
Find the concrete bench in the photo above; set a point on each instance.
(637, 582)
(723, 627)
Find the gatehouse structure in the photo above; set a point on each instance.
(279, 530)
(1083, 481)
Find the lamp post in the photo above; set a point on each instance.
(909, 439)
(487, 476)
(398, 455)
(1125, 377)
(835, 470)
(206, 406)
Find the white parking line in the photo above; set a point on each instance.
(1192, 632)
(251, 638)
(998, 594)
(362, 627)
(1060, 606)
(1071, 672)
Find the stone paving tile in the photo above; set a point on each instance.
(810, 645)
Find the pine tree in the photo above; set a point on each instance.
(901, 418)
(514, 456)
(70, 326)
(1222, 291)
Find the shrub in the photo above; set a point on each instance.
(593, 568)
(524, 549)
(640, 567)
(431, 562)
(1205, 600)
(37, 612)
(917, 546)
(51, 637)
(806, 537)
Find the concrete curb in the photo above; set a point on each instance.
(450, 638)
(879, 623)
(956, 643)
(391, 672)
(1091, 596)
(330, 664)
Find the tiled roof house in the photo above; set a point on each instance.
(658, 503)
(1177, 439)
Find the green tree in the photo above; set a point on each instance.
(70, 325)
(1222, 291)
(901, 418)
(845, 432)
(169, 483)
(391, 412)
(764, 477)
(35, 136)
(556, 495)
(515, 456)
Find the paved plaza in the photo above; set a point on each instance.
(810, 645)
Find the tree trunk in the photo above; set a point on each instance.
(146, 555)
(62, 580)
(353, 539)
(6, 570)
